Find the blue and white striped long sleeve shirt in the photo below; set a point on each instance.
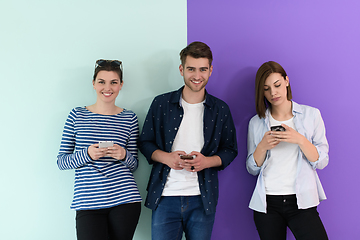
(105, 182)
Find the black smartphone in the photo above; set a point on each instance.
(278, 128)
(187, 157)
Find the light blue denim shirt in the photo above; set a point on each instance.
(309, 191)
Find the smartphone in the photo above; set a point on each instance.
(105, 144)
(187, 157)
(278, 128)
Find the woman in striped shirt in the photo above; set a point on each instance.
(106, 198)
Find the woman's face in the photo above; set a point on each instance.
(275, 89)
(107, 86)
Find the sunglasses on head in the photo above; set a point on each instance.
(103, 62)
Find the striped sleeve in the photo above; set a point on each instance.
(131, 160)
(67, 157)
(104, 182)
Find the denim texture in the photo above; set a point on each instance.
(177, 214)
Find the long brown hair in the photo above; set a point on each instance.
(262, 74)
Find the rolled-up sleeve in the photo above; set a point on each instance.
(320, 142)
(251, 165)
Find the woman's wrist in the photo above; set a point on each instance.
(259, 155)
(124, 155)
(303, 141)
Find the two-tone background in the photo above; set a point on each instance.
(47, 55)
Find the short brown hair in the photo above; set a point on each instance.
(108, 65)
(196, 50)
(262, 74)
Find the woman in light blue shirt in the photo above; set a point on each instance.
(286, 144)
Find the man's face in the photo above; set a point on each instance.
(196, 73)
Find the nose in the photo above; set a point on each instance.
(197, 75)
(272, 91)
(107, 86)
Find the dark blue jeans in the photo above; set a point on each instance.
(175, 215)
(283, 212)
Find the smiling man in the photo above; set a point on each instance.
(188, 136)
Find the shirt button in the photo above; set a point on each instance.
(284, 200)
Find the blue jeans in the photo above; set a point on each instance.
(178, 214)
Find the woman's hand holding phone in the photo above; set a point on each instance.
(288, 134)
(115, 151)
(269, 141)
(95, 152)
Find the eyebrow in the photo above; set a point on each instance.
(100, 79)
(189, 67)
(274, 82)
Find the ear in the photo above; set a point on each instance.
(211, 69)
(287, 81)
(181, 68)
(93, 84)
(121, 85)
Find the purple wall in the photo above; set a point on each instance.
(317, 42)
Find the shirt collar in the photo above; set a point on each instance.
(176, 97)
(296, 108)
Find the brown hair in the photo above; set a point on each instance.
(108, 65)
(196, 50)
(262, 74)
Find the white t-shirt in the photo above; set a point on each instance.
(280, 173)
(190, 137)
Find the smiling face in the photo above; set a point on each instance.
(107, 85)
(275, 89)
(196, 73)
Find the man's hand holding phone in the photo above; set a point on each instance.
(195, 162)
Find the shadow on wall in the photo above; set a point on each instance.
(164, 66)
(240, 96)
(236, 184)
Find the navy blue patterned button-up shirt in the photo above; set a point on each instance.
(159, 131)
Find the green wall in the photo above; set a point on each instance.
(47, 55)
